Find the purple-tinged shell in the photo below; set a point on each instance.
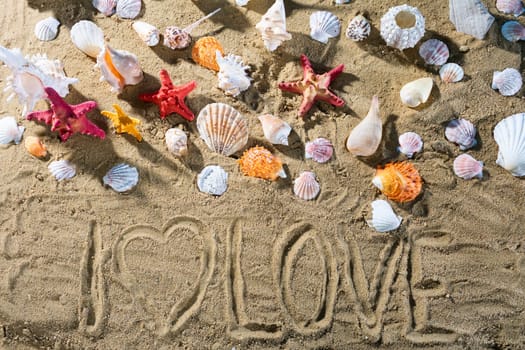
(106, 7)
(306, 186)
(462, 132)
(508, 82)
(434, 52)
(451, 73)
(514, 7)
(513, 31)
(320, 150)
(467, 167)
(410, 143)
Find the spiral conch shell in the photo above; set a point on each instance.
(119, 68)
(275, 129)
(366, 136)
(398, 181)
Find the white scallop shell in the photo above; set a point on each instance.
(241, 2)
(306, 186)
(509, 134)
(320, 150)
(275, 129)
(121, 177)
(470, 17)
(434, 52)
(358, 28)
(365, 138)
(514, 7)
(402, 27)
(88, 38)
(323, 26)
(383, 217)
(513, 31)
(106, 7)
(410, 143)
(232, 75)
(416, 92)
(462, 132)
(451, 73)
(223, 128)
(47, 29)
(466, 167)
(272, 26)
(10, 131)
(177, 142)
(128, 8)
(213, 180)
(508, 82)
(147, 32)
(62, 169)
(127, 65)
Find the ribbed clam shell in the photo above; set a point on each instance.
(508, 82)
(320, 150)
(62, 169)
(466, 167)
(125, 63)
(10, 131)
(232, 76)
(410, 143)
(514, 7)
(323, 26)
(434, 52)
(470, 17)
(383, 217)
(128, 8)
(272, 26)
(213, 180)
(88, 38)
(275, 129)
(223, 128)
(177, 142)
(358, 28)
(509, 134)
(106, 7)
(402, 27)
(513, 31)
(47, 29)
(147, 32)
(306, 186)
(451, 73)
(416, 92)
(462, 132)
(121, 177)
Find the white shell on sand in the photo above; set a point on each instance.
(125, 63)
(402, 27)
(177, 142)
(466, 167)
(47, 29)
(434, 52)
(241, 2)
(213, 180)
(275, 129)
(462, 132)
(358, 28)
(416, 92)
(366, 136)
(470, 17)
(323, 26)
(509, 134)
(410, 143)
(147, 32)
(88, 38)
(383, 217)
(508, 82)
(10, 131)
(272, 26)
(106, 7)
(62, 169)
(451, 73)
(128, 8)
(121, 177)
(232, 75)
(306, 186)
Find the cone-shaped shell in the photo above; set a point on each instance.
(128, 8)
(35, 147)
(121, 177)
(204, 52)
(213, 180)
(88, 38)
(323, 26)
(509, 134)
(306, 186)
(272, 26)
(366, 136)
(383, 217)
(47, 29)
(147, 32)
(320, 150)
(10, 131)
(275, 129)
(62, 169)
(399, 181)
(451, 73)
(259, 162)
(470, 17)
(177, 142)
(466, 167)
(402, 27)
(416, 92)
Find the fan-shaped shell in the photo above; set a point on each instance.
(364, 139)
(35, 147)
(323, 26)
(223, 128)
(466, 167)
(410, 143)
(275, 129)
(232, 76)
(272, 26)
(204, 52)
(470, 17)
(177, 142)
(10, 131)
(434, 52)
(508, 82)
(147, 32)
(513, 31)
(128, 8)
(106, 7)
(62, 169)
(119, 68)
(259, 162)
(402, 27)
(509, 134)
(399, 181)
(88, 38)
(320, 150)
(213, 180)
(383, 217)
(358, 28)
(451, 73)
(416, 92)
(121, 177)
(306, 186)
(47, 29)
(462, 132)
(514, 7)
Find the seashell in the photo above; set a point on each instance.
(204, 52)
(340, 2)
(383, 217)
(272, 26)
(47, 29)
(306, 186)
(323, 26)
(241, 2)
(119, 68)
(358, 28)
(121, 177)
(320, 150)
(106, 7)
(223, 128)
(35, 146)
(509, 134)
(259, 162)
(508, 82)
(88, 38)
(470, 17)
(410, 143)
(62, 169)
(402, 27)
(366, 136)
(514, 7)
(399, 181)
(451, 73)
(177, 142)
(180, 38)
(53, 74)
(416, 92)
(128, 8)
(147, 32)
(462, 132)
(434, 52)
(275, 129)
(10, 131)
(513, 31)
(213, 180)
(467, 167)
(232, 74)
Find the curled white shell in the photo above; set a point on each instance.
(434, 52)
(272, 26)
(106, 7)
(213, 180)
(121, 177)
(358, 28)
(513, 31)
(88, 38)
(451, 73)
(47, 29)
(383, 217)
(275, 129)
(466, 167)
(508, 82)
(514, 7)
(470, 17)
(177, 142)
(232, 75)
(62, 169)
(125, 63)
(323, 26)
(306, 186)
(10, 131)
(410, 143)
(223, 128)
(416, 92)
(462, 132)
(320, 150)
(366, 136)
(128, 8)
(402, 27)
(509, 134)
(147, 32)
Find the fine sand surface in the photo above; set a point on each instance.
(168, 267)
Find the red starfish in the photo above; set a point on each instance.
(170, 98)
(313, 86)
(67, 119)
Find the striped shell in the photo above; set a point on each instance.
(323, 26)
(513, 31)
(399, 181)
(35, 147)
(88, 38)
(106, 7)
(275, 129)
(62, 169)
(383, 217)
(119, 68)
(213, 180)
(147, 32)
(434, 52)
(514, 7)
(320, 150)
(466, 167)
(410, 143)
(306, 186)
(402, 27)
(10, 131)
(451, 73)
(177, 142)
(128, 8)
(223, 128)
(204, 52)
(508, 82)
(121, 177)
(509, 134)
(47, 29)
(462, 132)
(259, 162)
(470, 17)
(358, 28)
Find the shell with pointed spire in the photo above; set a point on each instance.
(272, 26)
(10, 131)
(416, 92)
(232, 76)
(122, 177)
(410, 143)
(213, 179)
(147, 32)
(470, 17)
(204, 52)
(88, 38)
(47, 29)
(358, 28)
(383, 217)
(451, 73)
(177, 142)
(399, 181)
(508, 82)
(402, 27)
(366, 136)
(259, 162)
(320, 150)
(128, 8)
(275, 129)
(119, 68)
(306, 186)
(466, 167)
(35, 147)
(462, 132)
(509, 134)
(323, 26)
(62, 169)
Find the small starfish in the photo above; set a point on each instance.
(313, 86)
(170, 98)
(67, 119)
(123, 123)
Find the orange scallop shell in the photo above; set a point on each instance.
(35, 146)
(259, 162)
(399, 181)
(203, 52)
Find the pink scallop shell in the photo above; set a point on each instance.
(462, 132)
(410, 143)
(466, 167)
(514, 7)
(320, 150)
(451, 73)
(106, 7)
(508, 81)
(434, 51)
(306, 186)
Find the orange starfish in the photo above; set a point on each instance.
(123, 123)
